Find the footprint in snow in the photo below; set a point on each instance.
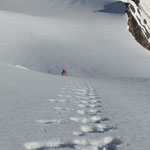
(77, 96)
(91, 94)
(89, 112)
(60, 95)
(82, 106)
(46, 122)
(88, 105)
(95, 119)
(106, 143)
(82, 112)
(96, 128)
(93, 106)
(80, 93)
(94, 111)
(64, 109)
(94, 101)
(53, 100)
(93, 97)
(79, 90)
(84, 102)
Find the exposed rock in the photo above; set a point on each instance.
(137, 2)
(137, 32)
(145, 21)
(132, 8)
(139, 11)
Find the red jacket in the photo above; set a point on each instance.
(64, 74)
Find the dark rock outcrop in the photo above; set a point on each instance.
(135, 27)
(137, 2)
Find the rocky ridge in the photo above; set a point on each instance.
(138, 23)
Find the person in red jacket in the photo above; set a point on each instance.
(64, 73)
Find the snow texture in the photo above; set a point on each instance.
(104, 102)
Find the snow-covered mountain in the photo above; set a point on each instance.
(104, 102)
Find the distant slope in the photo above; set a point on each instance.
(49, 7)
(87, 38)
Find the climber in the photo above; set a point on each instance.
(64, 73)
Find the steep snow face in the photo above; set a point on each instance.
(84, 37)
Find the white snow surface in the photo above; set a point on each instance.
(104, 102)
(71, 37)
(146, 5)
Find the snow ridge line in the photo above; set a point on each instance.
(88, 108)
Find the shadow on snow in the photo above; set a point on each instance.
(115, 7)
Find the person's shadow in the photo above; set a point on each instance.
(115, 7)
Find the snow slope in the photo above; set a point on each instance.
(108, 109)
(71, 41)
(145, 4)
(40, 112)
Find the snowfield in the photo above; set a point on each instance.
(104, 102)
(146, 5)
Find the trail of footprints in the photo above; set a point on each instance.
(89, 122)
